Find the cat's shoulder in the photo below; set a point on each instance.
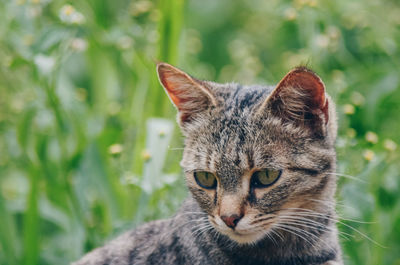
(129, 247)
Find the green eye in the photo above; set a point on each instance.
(206, 180)
(265, 178)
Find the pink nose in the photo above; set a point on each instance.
(231, 220)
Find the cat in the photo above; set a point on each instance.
(259, 162)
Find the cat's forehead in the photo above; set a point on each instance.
(235, 137)
(234, 123)
(230, 137)
(235, 98)
(235, 119)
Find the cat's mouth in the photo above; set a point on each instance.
(242, 234)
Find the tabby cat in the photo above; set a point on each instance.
(259, 162)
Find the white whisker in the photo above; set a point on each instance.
(348, 176)
(308, 223)
(307, 233)
(310, 213)
(294, 231)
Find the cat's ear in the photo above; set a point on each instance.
(300, 98)
(189, 95)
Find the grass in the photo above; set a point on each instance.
(83, 159)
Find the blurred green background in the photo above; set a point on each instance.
(81, 160)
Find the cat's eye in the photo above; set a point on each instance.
(264, 178)
(205, 179)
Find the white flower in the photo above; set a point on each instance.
(390, 145)
(125, 42)
(322, 41)
(115, 149)
(69, 15)
(44, 63)
(79, 44)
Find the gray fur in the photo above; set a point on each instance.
(233, 134)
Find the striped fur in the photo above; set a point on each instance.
(233, 130)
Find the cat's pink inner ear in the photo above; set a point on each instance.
(174, 82)
(188, 94)
(306, 84)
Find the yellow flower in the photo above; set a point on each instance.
(161, 133)
(348, 109)
(371, 137)
(69, 15)
(146, 155)
(68, 10)
(290, 13)
(369, 155)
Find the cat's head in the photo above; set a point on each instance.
(255, 154)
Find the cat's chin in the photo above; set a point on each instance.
(242, 238)
(248, 238)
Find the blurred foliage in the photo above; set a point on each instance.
(80, 160)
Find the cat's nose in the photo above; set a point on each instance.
(231, 220)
